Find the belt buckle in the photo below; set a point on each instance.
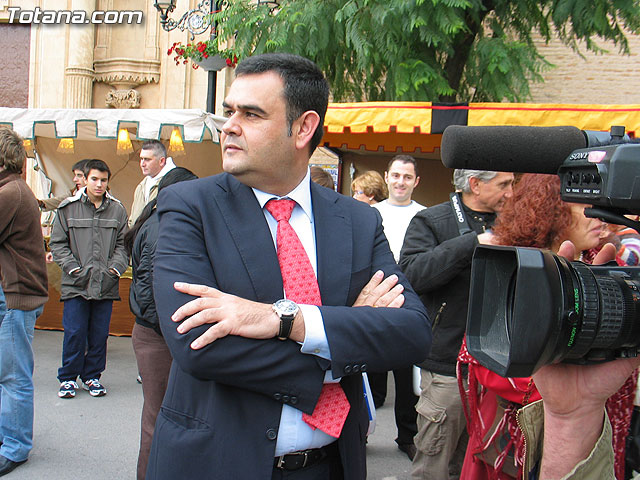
(281, 464)
(306, 458)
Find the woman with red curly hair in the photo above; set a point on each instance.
(535, 216)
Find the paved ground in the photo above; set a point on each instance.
(97, 438)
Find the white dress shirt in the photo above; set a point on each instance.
(294, 434)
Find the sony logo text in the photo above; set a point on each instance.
(579, 155)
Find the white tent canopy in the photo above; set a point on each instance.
(196, 125)
(95, 133)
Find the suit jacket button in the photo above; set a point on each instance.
(347, 369)
(277, 396)
(363, 367)
(356, 368)
(285, 398)
(272, 434)
(294, 400)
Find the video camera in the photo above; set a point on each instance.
(529, 307)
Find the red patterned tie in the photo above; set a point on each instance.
(301, 286)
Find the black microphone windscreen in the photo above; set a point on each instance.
(509, 148)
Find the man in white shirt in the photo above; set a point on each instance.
(397, 211)
(154, 164)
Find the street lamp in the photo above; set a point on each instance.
(164, 8)
(196, 21)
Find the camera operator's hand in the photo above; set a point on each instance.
(606, 254)
(486, 238)
(574, 399)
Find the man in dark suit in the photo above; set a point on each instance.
(244, 369)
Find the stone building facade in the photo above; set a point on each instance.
(53, 64)
(122, 65)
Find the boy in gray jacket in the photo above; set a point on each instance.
(87, 242)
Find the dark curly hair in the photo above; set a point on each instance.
(535, 216)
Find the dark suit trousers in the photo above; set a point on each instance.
(405, 402)
(154, 363)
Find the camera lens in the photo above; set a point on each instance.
(530, 308)
(609, 320)
(513, 309)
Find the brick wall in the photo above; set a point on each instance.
(608, 78)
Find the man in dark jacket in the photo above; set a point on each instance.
(24, 282)
(88, 243)
(436, 258)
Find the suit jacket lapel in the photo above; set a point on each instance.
(333, 246)
(248, 227)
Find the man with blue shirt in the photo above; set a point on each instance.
(256, 306)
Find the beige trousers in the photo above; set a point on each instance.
(442, 438)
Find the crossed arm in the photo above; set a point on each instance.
(232, 315)
(241, 349)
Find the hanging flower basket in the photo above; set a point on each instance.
(203, 54)
(214, 63)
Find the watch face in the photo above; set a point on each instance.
(286, 307)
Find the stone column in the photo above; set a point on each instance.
(79, 70)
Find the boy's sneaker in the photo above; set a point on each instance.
(67, 389)
(94, 387)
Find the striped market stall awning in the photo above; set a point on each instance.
(418, 126)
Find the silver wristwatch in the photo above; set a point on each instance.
(287, 311)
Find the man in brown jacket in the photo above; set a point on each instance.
(24, 283)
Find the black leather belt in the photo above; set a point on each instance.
(305, 458)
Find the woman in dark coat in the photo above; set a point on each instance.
(152, 354)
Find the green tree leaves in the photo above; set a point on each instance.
(427, 50)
